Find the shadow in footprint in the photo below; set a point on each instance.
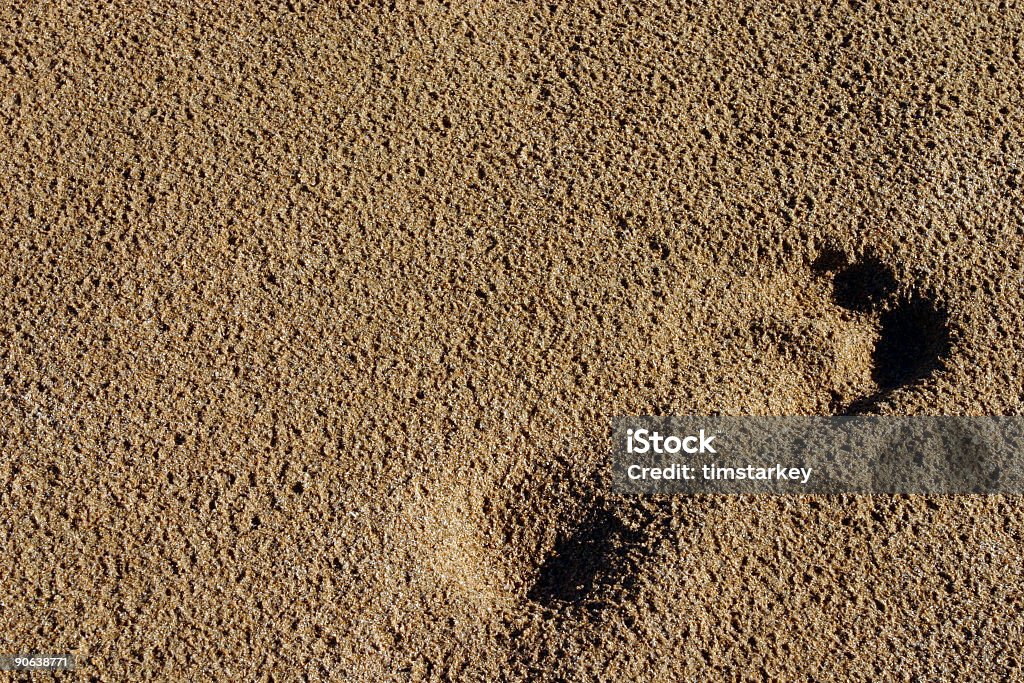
(599, 557)
(913, 341)
(864, 286)
(914, 333)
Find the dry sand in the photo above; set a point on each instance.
(315, 317)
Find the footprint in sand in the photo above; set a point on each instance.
(873, 335)
(913, 331)
(834, 337)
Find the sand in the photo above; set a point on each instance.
(315, 316)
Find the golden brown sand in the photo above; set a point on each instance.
(315, 316)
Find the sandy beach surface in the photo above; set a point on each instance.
(315, 317)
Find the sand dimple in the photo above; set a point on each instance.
(443, 534)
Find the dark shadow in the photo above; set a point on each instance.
(914, 340)
(601, 553)
(830, 260)
(864, 286)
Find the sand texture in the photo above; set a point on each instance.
(315, 316)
